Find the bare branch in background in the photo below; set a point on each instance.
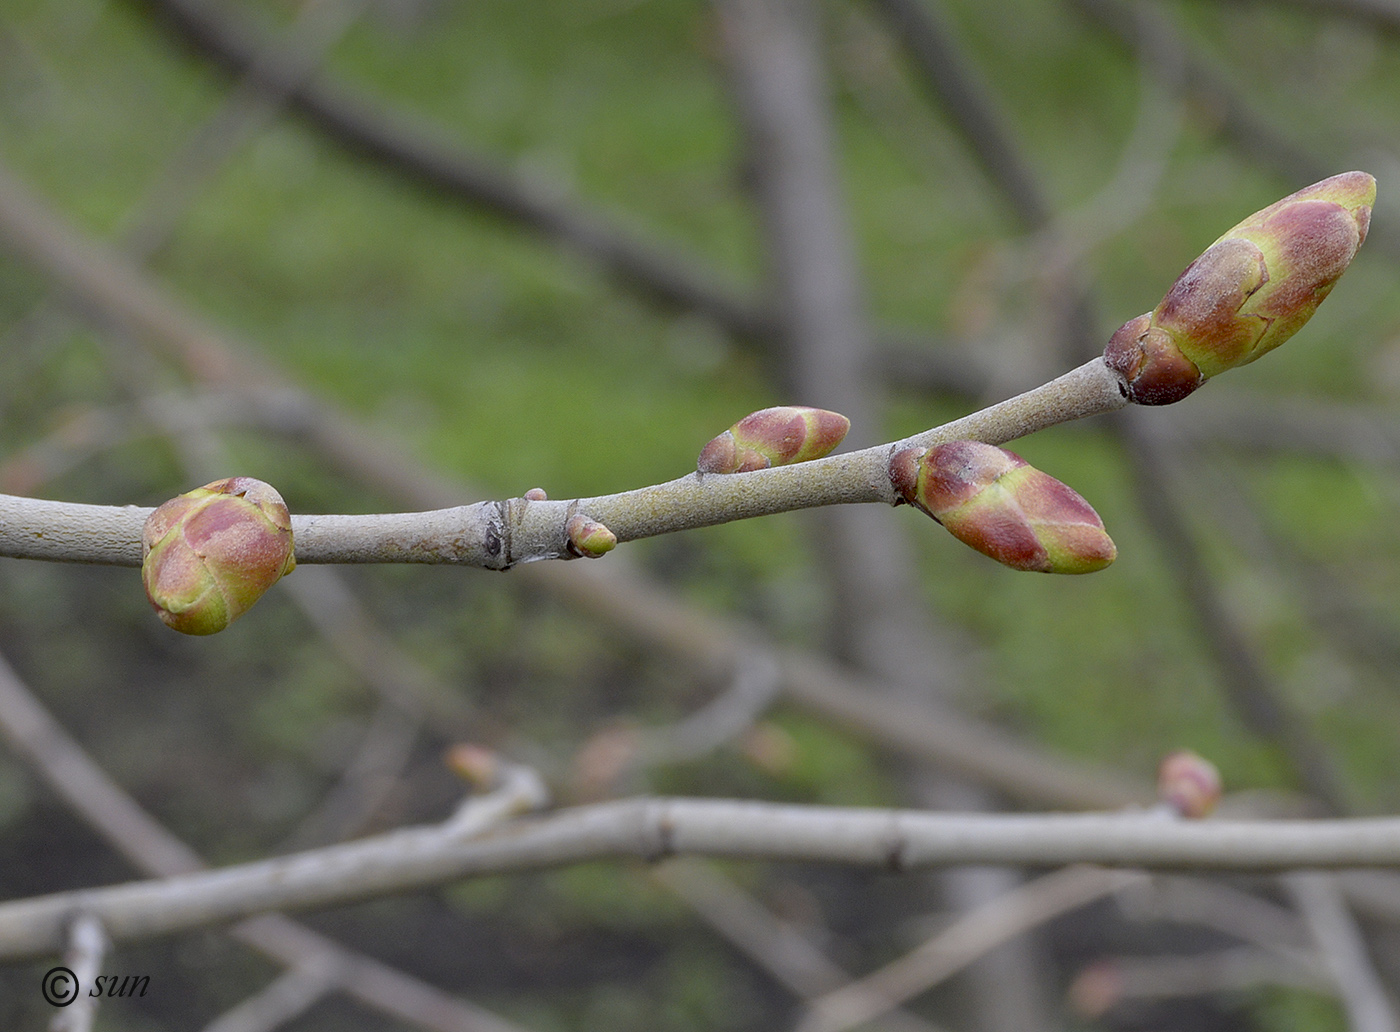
(99, 802)
(955, 84)
(1248, 687)
(652, 828)
(288, 996)
(427, 154)
(1325, 912)
(774, 945)
(1123, 981)
(973, 934)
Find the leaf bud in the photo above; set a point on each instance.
(774, 437)
(1247, 293)
(994, 501)
(1188, 783)
(210, 553)
(588, 538)
(475, 764)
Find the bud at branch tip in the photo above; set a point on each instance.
(1189, 783)
(1247, 293)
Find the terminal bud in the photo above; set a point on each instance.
(1189, 783)
(774, 437)
(1247, 293)
(994, 501)
(209, 554)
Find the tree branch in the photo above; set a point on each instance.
(652, 828)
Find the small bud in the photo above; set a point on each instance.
(771, 748)
(1188, 783)
(536, 494)
(774, 437)
(475, 764)
(589, 538)
(1096, 990)
(211, 553)
(994, 501)
(1248, 293)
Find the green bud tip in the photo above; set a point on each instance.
(994, 501)
(588, 538)
(1248, 293)
(209, 554)
(774, 437)
(1189, 783)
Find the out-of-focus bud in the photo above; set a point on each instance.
(774, 437)
(588, 538)
(994, 501)
(211, 553)
(1189, 783)
(475, 764)
(1096, 990)
(536, 494)
(770, 747)
(1248, 293)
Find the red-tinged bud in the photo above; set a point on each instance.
(475, 764)
(536, 494)
(771, 748)
(774, 437)
(1096, 990)
(994, 501)
(1189, 783)
(211, 553)
(1248, 293)
(589, 538)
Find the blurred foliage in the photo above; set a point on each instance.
(507, 362)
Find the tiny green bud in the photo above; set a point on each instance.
(1189, 783)
(1248, 293)
(994, 501)
(588, 538)
(774, 437)
(209, 554)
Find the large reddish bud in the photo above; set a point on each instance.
(994, 501)
(1248, 293)
(211, 553)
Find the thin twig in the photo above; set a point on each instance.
(1339, 940)
(286, 997)
(427, 154)
(1248, 687)
(86, 789)
(774, 945)
(1112, 981)
(970, 106)
(971, 936)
